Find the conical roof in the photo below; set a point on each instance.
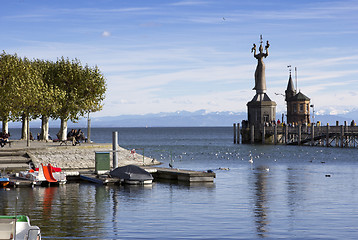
(290, 86)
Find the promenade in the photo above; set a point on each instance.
(67, 157)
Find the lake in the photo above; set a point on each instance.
(287, 192)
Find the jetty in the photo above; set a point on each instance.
(343, 136)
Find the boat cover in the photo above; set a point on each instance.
(131, 172)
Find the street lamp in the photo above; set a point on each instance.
(312, 106)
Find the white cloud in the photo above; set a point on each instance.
(106, 34)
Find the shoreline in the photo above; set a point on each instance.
(72, 158)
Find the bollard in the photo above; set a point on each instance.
(234, 126)
(114, 147)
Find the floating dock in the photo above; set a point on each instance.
(158, 173)
(180, 175)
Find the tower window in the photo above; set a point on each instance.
(301, 107)
(266, 118)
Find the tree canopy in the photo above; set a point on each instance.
(63, 89)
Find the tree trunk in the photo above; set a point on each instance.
(5, 125)
(44, 128)
(24, 127)
(63, 129)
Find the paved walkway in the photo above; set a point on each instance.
(73, 158)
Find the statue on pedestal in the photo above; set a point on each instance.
(260, 81)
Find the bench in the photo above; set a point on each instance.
(7, 142)
(65, 142)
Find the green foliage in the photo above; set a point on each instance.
(62, 89)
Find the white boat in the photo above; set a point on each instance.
(18, 227)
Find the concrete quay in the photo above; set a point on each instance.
(69, 158)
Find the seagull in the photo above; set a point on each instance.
(224, 19)
(170, 165)
(251, 161)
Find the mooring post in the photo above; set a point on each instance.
(114, 147)
(312, 135)
(327, 136)
(346, 137)
(299, 134)
(342, 136)
(263, 133)
(337, 134)
(252, 134)
(238, 133)
(234, 128)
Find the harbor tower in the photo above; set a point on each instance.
(298, 105)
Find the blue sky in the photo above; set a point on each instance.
(167, 56)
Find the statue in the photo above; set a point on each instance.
(260, 81)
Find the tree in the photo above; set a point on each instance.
(27, 94)
(84, 90)
(8, 75)
(50, 93)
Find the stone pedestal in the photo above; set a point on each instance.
(261, 110)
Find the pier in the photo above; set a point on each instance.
(312, 135)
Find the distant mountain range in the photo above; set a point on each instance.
(200, 118)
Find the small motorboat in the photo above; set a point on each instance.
(132, 174)
(18, 227)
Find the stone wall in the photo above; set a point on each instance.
(83, 157)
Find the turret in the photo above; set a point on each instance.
(290, 91)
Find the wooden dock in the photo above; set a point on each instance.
(158, 173)
(328, 136)
(180, 175)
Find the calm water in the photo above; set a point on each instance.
(288, 192)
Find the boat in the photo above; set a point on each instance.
(4, 180)
(18, 227)
(132, 174)
(44, 174)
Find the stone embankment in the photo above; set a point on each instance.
(74, 158)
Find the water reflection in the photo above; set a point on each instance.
(260, 182)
